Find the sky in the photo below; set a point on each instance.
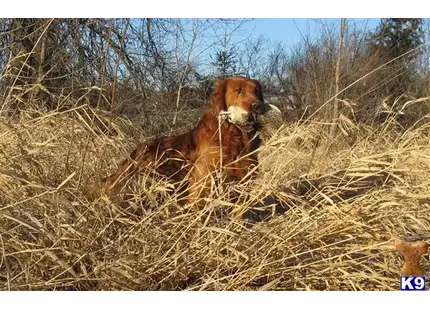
(291, 30)
(286, 31)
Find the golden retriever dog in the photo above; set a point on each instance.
(227, 135)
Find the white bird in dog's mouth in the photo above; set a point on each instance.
(237, 115)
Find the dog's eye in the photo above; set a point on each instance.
(239, 91)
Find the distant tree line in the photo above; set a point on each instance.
(170, 64)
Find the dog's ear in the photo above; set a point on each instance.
(218, 96)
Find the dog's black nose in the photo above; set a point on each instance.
(255, 106)
(258, 107)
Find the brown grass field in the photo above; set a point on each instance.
(348, 198)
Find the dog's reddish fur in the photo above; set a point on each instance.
(194, 156)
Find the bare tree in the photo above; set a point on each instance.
(337, 77)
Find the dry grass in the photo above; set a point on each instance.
(349, 198)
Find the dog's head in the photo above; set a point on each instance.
(241, 97)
